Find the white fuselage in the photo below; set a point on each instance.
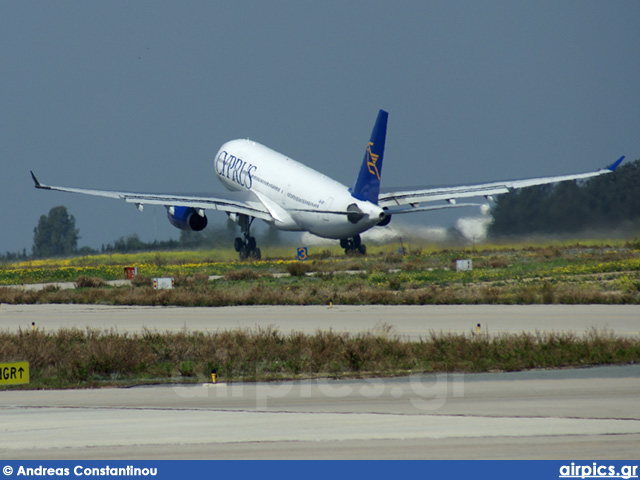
(297, 197)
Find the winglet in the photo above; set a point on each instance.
(37, 183)
(35, 180)
(615, 164)
(367, 185)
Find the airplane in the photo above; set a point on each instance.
(272, 187)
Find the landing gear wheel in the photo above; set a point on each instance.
(238, 244)
(247, 246)
(353, 246)
(246, 252)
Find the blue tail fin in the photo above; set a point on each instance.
(367, 186)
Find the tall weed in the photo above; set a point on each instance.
(80, 358)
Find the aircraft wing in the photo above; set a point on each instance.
(412, 207)
(232, 202)
(412, 198)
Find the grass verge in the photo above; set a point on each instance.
(74, 358)
(569, 274)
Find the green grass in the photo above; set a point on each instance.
(556, 273)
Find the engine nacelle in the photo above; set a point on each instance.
(186, 218)
(385, 221)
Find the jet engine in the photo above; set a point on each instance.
(187, 218)
(385, 220)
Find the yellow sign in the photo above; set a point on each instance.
(14, 373)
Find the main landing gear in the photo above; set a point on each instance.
(246, 246)
(353, 246)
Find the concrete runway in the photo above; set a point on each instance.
(410, 322)
(576, 414)
(560, 414)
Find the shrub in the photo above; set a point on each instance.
(141, 281)
(242, 274)
(298, 269)
(85, 281)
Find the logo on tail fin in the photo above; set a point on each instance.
(367, 185)
(372, 159)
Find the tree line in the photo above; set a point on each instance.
(56, 235)
(604, 203)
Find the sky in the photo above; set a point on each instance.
(139, 96)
